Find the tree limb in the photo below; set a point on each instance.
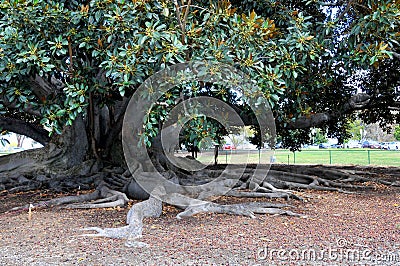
(43, 88)
(28, 108)
(345, 11)
(356, 102)
(116, 129)
(182, 23)
(40, 87)
(21, 127)
(338, 3)
(178, 16)
(397, 55)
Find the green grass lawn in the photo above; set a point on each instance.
(236, 157)
(341, 156)
(325, 156)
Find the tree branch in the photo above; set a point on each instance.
(345, 11)
(338, 3)
(178, 16)
(28, 108)
(116, 128)
(186, 12)
(182, 23)
(21, 127)
(397, 55)
(356, 102)
(42, 88)
(194, 6)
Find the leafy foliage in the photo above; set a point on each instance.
(96, 52)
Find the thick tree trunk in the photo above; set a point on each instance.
(96, 136)
(62, 153)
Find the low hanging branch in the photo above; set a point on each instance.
(356, 102)
(27, 129)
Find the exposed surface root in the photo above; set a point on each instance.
(268, 195)
(245, 209)
(282, 181)
(133, 231)
(102, 197)
(108, 198)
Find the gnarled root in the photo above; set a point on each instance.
(102, 197)
(133, 231)
(108, 198)
(264, 194)
(245, 209)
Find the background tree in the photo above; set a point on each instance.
(319, 137)
(240, 136)
(356, 129)
(20, 140)
(397, 132)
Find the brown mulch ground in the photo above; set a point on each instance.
(342, 229)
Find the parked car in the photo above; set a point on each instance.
(394, 145)
(324, 146)
(384, 145)
(337, 146)
(353, 144)
(365, 144)
(375, 145)
(229, 146)
(371, 144)
(313, 146)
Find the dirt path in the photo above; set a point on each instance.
(340, 229)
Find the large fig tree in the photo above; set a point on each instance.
(69, 68)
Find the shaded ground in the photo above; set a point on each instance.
(340, 228)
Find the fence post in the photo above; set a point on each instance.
(259, 156)
(288, 159)
(294, 157)
(226, 156)
(369, 157)
(330, 157)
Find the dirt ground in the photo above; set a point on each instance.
(340, 229)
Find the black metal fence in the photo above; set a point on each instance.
(315, 156)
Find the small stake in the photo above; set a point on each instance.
(30, 211)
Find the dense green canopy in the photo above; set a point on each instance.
(310, 58)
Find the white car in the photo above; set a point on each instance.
(394, 145)
(353, 144)
(384, 145)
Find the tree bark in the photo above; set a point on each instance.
(62, 153)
